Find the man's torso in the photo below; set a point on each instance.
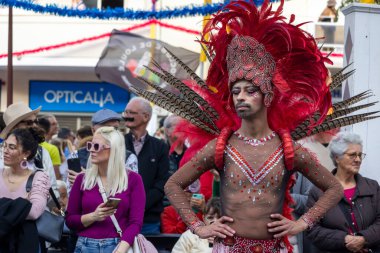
(253, 185)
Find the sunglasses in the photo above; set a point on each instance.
(96, 147)
(29, 122)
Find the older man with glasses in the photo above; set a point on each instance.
(19, 115)
(153, 158)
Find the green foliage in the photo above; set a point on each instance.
(347, 2)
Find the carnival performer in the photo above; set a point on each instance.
(267, 86)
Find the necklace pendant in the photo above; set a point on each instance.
(254, 143)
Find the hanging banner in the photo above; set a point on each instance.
(63, 96)
(124, 58)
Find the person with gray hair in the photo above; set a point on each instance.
(153, 160)
(179, 149)
(358, 229)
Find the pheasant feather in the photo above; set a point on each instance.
(172, 107)
(184, 103)
(352, 100)
(192, 74)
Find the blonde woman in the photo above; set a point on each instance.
(89, 215)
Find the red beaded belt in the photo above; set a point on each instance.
(239, 244)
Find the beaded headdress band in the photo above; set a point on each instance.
(247, 59)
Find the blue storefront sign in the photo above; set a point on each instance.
(76, 96)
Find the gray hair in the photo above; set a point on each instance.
(171, 120)
(340, 143)
(61, 184)
(147, 108)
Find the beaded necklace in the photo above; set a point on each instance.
(255, 142)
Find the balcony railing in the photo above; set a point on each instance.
(332, 36)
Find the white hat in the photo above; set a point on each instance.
(14, 114)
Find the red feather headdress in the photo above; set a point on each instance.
(298, 80)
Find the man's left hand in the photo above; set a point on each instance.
(284, 226)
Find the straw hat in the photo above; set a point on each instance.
(331, 3)
(14, 114)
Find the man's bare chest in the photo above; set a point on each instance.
(253, 176)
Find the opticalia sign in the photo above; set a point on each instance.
(63, 96)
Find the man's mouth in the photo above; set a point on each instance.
(242, 107)
(129, 119)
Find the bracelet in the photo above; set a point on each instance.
(196, 225)
(308, 221)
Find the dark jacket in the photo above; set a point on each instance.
(153, 161)
(328, 235)
(17, 235)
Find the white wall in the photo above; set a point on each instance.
(362, 21)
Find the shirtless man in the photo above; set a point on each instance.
(259, 160)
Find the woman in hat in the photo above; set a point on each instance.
(19, 115)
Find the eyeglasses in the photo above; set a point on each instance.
(10, 147)
(96, 147)
(29, 122)
(353, 156)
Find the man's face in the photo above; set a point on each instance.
(247, 98)
(169, 134)
(27, 122)
(63, 197)
(134, 115)
(112, 123)
(53, 126)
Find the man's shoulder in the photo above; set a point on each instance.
(156, 142)
(82, 151)
(49, 147)
(46, 145)
(154, 139)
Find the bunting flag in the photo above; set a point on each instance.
(126, 54)
(120, 13)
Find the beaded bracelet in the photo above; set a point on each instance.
(195, 225)
(308, 221)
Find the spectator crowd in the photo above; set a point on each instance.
(110, 185)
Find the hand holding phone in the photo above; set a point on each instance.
(113, 202)
(197, 202)
(74, 164)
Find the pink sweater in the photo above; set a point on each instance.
(38, 195)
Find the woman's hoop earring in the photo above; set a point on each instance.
(24, 164)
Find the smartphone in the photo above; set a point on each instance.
(198, 196)
(74, 164)
(113, 202)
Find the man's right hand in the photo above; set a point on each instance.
(217, 228)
